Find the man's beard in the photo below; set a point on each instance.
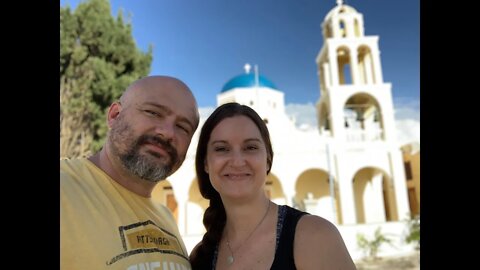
(144, 166)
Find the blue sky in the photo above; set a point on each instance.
(207, 42)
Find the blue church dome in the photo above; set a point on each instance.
(247, 80)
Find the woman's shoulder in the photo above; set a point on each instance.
(312, 223)
(319, 242)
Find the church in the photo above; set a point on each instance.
(350, 170)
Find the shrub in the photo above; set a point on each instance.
(372, 247)
(414, 231)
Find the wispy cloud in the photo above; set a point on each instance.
(407, 120)
(408, 131)
(407, 109)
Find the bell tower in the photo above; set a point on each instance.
(356, 116)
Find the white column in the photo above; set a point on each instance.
(377, 63)
(400, 184)
(347, 203)
(337, 121)
(345, 188)
(354, 65)
(388, 117)
(332, 56)
(327, 77)
(368, 65)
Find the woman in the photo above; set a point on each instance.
(245, 230)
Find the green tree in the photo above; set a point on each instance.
(98, 60)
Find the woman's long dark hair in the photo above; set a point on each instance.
(214, 218)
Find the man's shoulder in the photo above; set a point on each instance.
(72, 168)
(72, 163)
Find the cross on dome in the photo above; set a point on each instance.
(247, 68)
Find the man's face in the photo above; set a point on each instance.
(149, 165)
(152, 128)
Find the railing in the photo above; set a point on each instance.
(360, 135)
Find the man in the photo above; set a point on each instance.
(107, 217)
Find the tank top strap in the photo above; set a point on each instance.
(288, 218)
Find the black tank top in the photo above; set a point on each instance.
(286, 224)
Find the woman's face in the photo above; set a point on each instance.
(237, 158)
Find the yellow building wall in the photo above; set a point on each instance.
(411, 160)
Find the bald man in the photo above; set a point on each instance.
(108, 220)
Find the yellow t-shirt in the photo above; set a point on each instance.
(105, 226)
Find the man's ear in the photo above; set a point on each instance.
(113, 113)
